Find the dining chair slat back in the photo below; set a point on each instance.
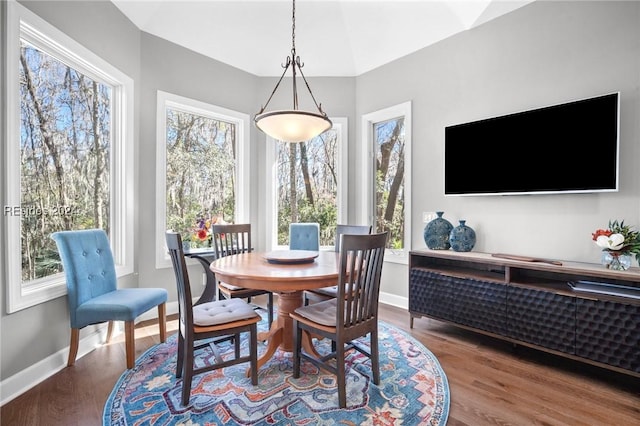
(320, 294)
(229, 239)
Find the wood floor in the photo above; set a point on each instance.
(490, 383)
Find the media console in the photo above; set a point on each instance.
(578, 310)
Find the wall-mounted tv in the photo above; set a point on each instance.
(567, 148)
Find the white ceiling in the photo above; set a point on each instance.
(333, 37)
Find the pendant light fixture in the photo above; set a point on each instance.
(293, 125)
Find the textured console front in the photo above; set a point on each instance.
(481, 304)
(430, 294)
(542, 318)
(474, 303)
(609, 332)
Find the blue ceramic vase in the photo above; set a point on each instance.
(462, 238)
(436, 233)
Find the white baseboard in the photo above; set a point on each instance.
(172, 308)
(21, 382)
(33, 375)
(394, 300)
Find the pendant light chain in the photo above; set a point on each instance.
(293, 30)
(296, 61)
(294, 58)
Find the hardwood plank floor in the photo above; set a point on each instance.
(490, 383)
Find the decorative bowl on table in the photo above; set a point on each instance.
(291, 257)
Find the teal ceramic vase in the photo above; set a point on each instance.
(462, 237)
(436, 233)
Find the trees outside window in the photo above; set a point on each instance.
(200, 173)
(65, 146)
(310, 184)
(67, 117)
(202, 164)
(389, 142)
(386, 176)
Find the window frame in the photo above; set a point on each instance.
(367, 178)
(24, 24)
(243, 162)
(341, 124)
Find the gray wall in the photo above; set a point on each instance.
(543, 53)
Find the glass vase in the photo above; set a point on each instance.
(616, 261)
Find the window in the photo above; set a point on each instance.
(386, 168)
(308, 183)
(66, 164)
(203, 164)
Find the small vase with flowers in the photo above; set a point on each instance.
(619, 243)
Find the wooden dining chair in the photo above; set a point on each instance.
(93, 293)
(320, 294)
(198, 324)
(234, 239)
(350, 315)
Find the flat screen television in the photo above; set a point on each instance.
(566, 148)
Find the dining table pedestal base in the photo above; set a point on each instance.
(280, 334)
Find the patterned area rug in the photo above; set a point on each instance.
(413, 390)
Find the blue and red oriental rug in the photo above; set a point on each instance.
(413, 390)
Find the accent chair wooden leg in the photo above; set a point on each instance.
(130, 343)
(110, 331)
(162, 321)
(73, 346)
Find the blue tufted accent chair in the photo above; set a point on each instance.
(304, 236)
(92, 290)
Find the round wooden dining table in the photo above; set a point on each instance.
(287, 280)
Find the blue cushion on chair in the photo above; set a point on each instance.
(304, 236)
(120, 305)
